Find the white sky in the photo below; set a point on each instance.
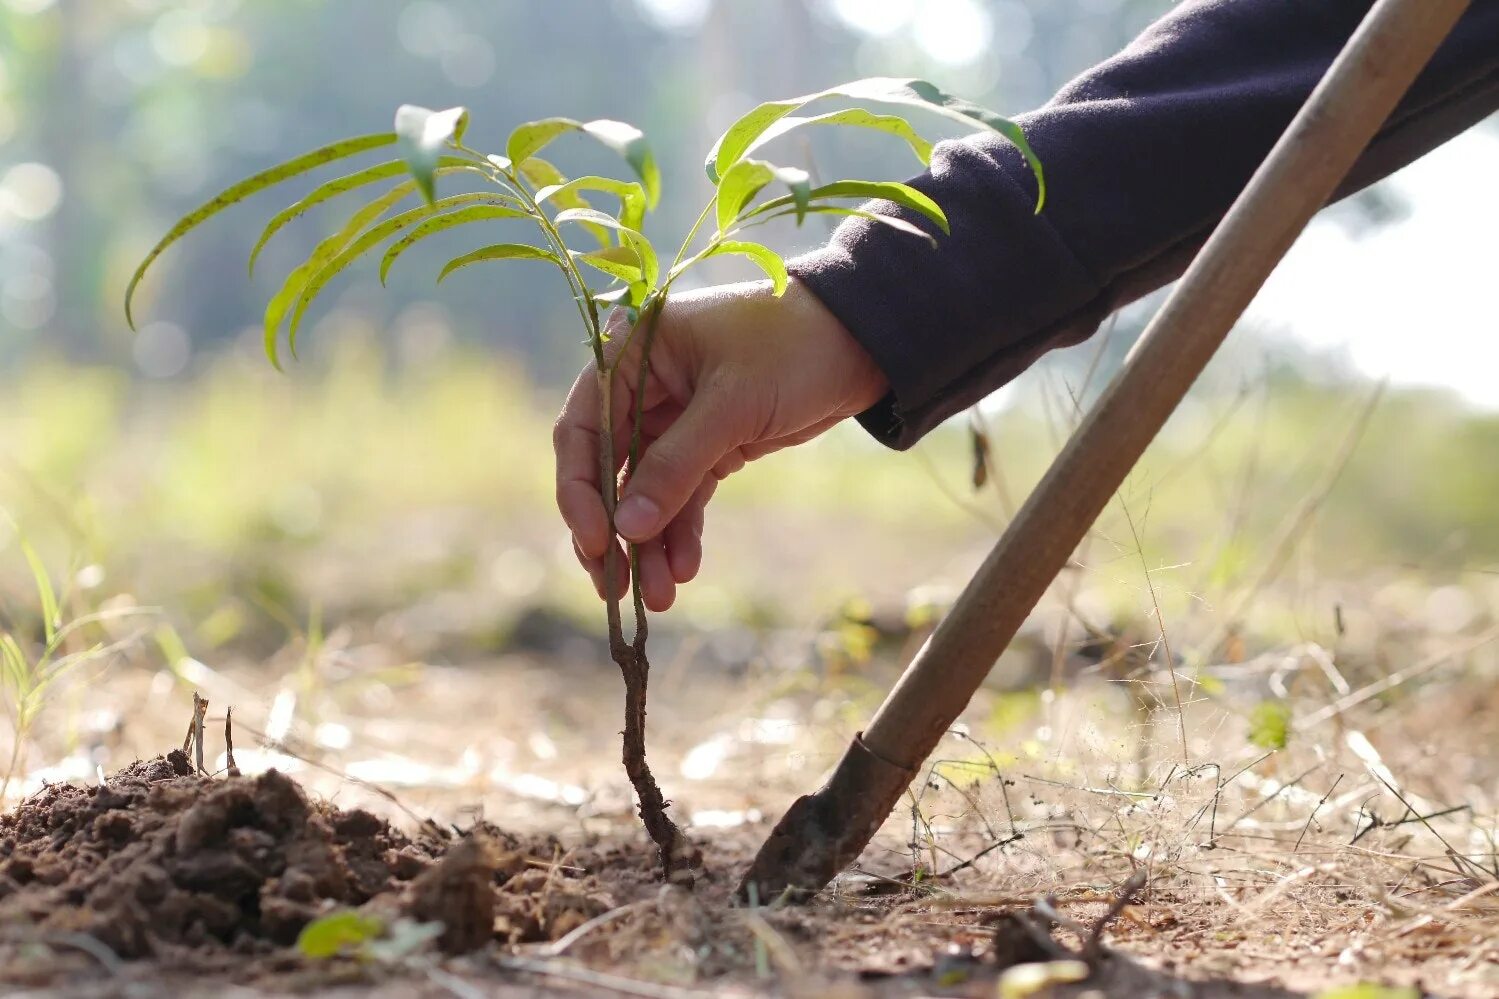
(1418, 300)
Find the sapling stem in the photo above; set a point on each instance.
(628, 258)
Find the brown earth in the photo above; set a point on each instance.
(161, 881)
(208, 873)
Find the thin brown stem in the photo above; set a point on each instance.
(679, 858)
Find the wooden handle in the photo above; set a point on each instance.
(1343, 114)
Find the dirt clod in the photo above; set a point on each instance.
(160, 862)
(458, 891)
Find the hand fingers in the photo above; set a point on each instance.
(657, 587)
(673, 467)
(575, 442)
(595, 569)
(684, 535)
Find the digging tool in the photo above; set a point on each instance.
(824, 832)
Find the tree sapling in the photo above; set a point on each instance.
(628, 274)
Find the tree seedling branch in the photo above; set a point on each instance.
(611, 265)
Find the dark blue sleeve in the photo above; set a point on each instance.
(1143, 155)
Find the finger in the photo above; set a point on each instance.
(575, 443)
(656, 585)
(658, 419)
(596, 567)
(728, 465)
(674, 465)
(684, 535)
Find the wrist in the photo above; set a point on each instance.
(861, 381)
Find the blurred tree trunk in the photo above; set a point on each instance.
(64, 135)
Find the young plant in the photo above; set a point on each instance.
(29, 669)
(605, 257)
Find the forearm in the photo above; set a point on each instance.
(1143, 155)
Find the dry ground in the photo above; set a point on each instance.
(1364, 851)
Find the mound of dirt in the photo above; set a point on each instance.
(161, 862)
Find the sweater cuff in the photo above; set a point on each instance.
(949, 324)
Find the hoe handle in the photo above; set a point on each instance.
(826, 831)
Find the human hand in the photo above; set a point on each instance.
(735, 374)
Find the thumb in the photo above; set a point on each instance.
(674, 465)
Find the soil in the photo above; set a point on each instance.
(207, 873)
(162, 881)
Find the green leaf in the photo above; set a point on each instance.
(629, 298)
(342, 185)
(478, 213)
(330, 935)
(763, 256)
(1270, 725)
(1369, 990)
(532, 137)
(746, 178)
(650, 266)
(291, 287)
(403, 938)
(499, 251)
(238, 192)
(632, 199)
(1022, 981)
(423, 134)
(800, 183)
(628, 141)
(543, 174)
(621, 262)
(371, 237)
(741, 183)
(736, 141)
(51, 614)
(889, 220)
(17, 670)
(902, 194)
(856, 118)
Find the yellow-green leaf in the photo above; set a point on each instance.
(902, 194)
(238, 192)
(330, 935)
(739, 136)
(1270, 725)
(373, 236)
(856, 118)
(281, 302)
(649, 264)
(765, 258)
(632, 199)
(1368, 990)
(51, 613)
(900, 225)
(478, 213)
(342, 185)
(626, 140)
(499, 251)
(621, 262)
(1022, 981)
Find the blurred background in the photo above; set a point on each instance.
(319, 548)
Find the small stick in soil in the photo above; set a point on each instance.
(1128, 892)
(194, 738)
(200, 715)
(233, 768)
(1313, 816)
